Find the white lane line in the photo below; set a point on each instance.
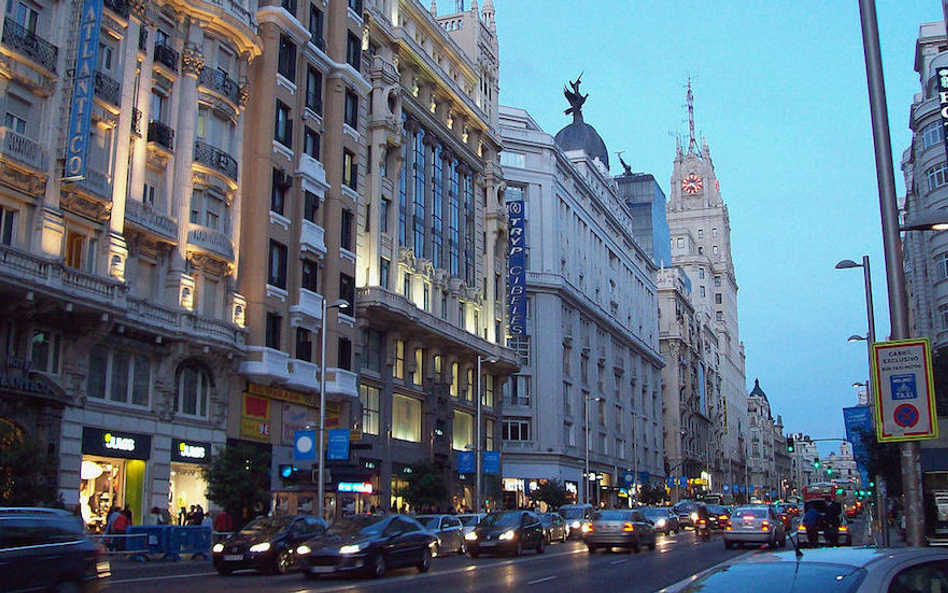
(614, 562)
(156, 578)
(543, 580)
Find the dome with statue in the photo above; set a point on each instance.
(579, 135)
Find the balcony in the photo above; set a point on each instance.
(146, 219)
(161, 134)
(266, 365)
(166, 55)
(107, 89)
(219, 83)
(312, 238)
(216, 159)
(31, 45)
(20, 268)
(303, 375)
(119, 7)
(312, 174)
(308, 311)
(22, 150)
(341, 382)
(211, 241)
(136, 122)
(96, 184)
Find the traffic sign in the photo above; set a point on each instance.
(628, 478)
(905, 394)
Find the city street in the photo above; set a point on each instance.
(564, 567)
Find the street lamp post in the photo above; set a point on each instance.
(341, 304)
(586, 400)
(635, 454)
(478, 450)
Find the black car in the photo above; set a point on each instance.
(663, 518)
(266, 544)
(507, 532)
(47, 549)
(718, 516)
(554, 527)
(371, 543)
(687, 511)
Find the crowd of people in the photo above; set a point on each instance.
(822, 518)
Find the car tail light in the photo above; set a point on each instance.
(728, 525)
(765, 524)
(748, 517)
(587, 527)
(843, 529)
(802, 527)
(628, 526)
(722, 518)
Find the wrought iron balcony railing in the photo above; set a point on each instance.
(136, 121)
(17, 37)
(166, 55)
(108, 89)
(220, 83)
(161, 134)
(119, 7)
(216, 159)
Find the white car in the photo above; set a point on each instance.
(826, 570)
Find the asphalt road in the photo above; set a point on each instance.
(564, 567)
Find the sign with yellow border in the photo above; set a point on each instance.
(905, 390)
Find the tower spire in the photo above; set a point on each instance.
(690, 98)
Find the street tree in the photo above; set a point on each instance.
(426, 486)
(552, 492)
(238, 480)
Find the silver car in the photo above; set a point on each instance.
(757, 524)
(827, 570)
(470, 521)
(449, 531)
(618, 529)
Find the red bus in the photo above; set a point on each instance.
(819, 490)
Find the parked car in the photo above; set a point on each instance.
(266, 544)
(718, 516)
(619, 529)
(47, 549)
(575, 515)
(754, 524)
(827, 570)
(687, 511)
(370, 543)
(470, 521)
(663, 518)
(449, 531)
(554, 527)
(506, 532)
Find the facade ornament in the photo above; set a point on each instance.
(243, 95)
(137, 9)
(192, 60)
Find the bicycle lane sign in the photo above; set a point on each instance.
(905, 393)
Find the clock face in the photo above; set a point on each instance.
(691, 184)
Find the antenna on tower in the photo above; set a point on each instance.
(690, 104)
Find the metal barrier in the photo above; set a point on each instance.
(194, 540)
(133, 545)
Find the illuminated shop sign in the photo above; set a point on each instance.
(516, 269)
(190, 451)
(112, 443)
(363, 487)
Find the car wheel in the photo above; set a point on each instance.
(68, 587)
(378, 566)
(541, 546)
(284, 563)
(425, 563)
(591, 548)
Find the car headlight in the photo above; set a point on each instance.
(218, 548)
(660, 523)
(575, 524)
(587, 527)
(507, 535)
(303, 550)
(694, 516)
(470, 536)
(261, 547)
(350, 549)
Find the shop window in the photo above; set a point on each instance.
(406, 418)
(369, 397)
(45, 351)
(462, 435)
(194, 387)
(119, 376)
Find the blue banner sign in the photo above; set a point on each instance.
(338, 444)
(80, 116)
(858, 421)
(491, 462)
(466, 462)
(304, 445)
(516, 269)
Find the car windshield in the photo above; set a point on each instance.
(757, 513)
(502, 520)
(572, 513)
(430, 522)
(781, 577)
(469, 520)
(266, 526)
(352, 526)
(715, 509)
(655, 513)
(612, 516)
(546, 519)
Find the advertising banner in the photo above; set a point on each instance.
(338, 448)
(905, 390)
(80, 114)
(466, 463)
(516, 269)
(858, 420)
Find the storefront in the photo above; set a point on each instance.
(112, 474)
(186, 485)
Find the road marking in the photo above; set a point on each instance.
(543, 580)
(614, 562)
(157, 578)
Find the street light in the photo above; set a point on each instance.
(478, 450)
(927, 220)
(340, 304)
(857, 338)
(586, 400)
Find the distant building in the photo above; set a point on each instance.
(842, 465)
(644, 198)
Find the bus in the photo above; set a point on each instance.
(819, 490)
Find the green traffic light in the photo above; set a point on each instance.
(872, 484)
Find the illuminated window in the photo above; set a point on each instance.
(369, 397)
(406, 418)
(399, 359)
(463, 431)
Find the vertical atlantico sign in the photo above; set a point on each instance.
(943, 101)
(80, 117)
(516, 272)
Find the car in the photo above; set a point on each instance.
(619, 528)
(554, 527)
(718, 516)
(827, 570)
(754, 524)
(470, 521)
(844, 530)
(687, 512)
(785, 513)
(664, 519)
(449, 531)
(44, 549)
(506, 532)
(368, 543)
(575, 515)
(266, 544)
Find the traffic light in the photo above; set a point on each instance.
(789, 444)
(289, 473)
(872, 484)
(829, 471)
(816, 463)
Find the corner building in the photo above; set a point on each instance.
(431, 245)
(121, 321)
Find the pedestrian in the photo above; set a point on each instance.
(812, 520)
(123, 520)
(832, 522)
(156, 517)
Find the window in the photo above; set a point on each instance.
(314, 90)
(311, 143)
(418, 376)
(406, 286)
(316, 26)
(469, 388)
(488, 434)
(310, 206)
(350, 169)
(356, 7)
(454, 222)
(81, 251)
(399, 369)
(701, 236)
(369, 398)
(937, 176)
(25, 15)
(283, 125)
(714, 232)
(569, 437)
(274, 336)
(700, 273)
(567, 399)
(462, 431)
(280, 184)
(717, 281)
(717, 298)
(681, 242)
(352, 109)
(714, 249)
(516, 429)
(719, 316)
(567, 355)
(701, 290)
(437, 205)
(309, 275)
(488, 398)
(277, 265)
(513, 159)
(286, 59)
(345, 230)
(518, 390)
(45, 350)
(7, 225)
(194, 386)
(354, 52)
(344, 354)
(932, 134)
(118, 375)
(454, 389)
(373, 350)
(347, 291)
(406, 418)
(384, 266)
(18, 113)
(384, 208)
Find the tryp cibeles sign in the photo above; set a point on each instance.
(905, 391)
(516, 269)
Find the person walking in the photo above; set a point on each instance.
(812, 521)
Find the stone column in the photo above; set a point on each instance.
(136, 179)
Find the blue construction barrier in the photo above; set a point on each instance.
(155, 538)
(189, 539)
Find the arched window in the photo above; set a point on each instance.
(194, 390)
